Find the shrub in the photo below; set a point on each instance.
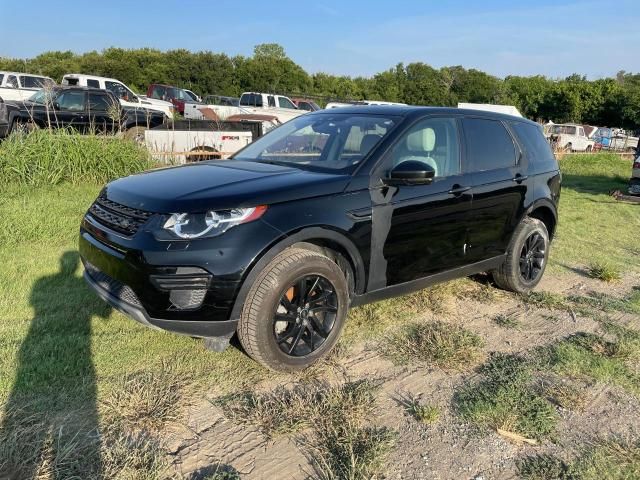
(51, 157)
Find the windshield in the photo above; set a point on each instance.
(324, 142)
(42, 97)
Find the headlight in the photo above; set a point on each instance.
(210, 224)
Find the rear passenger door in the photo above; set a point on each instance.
(69, 110)
(500, 186)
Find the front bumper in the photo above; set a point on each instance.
(193, 328)
(141, 276)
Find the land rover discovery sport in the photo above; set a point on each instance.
(330, 210)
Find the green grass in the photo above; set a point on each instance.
(422, 412)
(506, 320)
(594, 227)
(608, 459)
(52, 157)
(604, 272)
(435, 343)
(586, 355)
(507, 399)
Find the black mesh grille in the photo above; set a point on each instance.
(113, 286)
(117, 217)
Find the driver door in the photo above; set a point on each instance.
(420, 230)
(69, 110)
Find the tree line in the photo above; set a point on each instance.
(611, 102)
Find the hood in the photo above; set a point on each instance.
(153, 101)
(221, 184)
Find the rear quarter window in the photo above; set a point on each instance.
(536, 147)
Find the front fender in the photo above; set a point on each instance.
(305, 234)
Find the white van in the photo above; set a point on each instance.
(125, 94)
(16, 86)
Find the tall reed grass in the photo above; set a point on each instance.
(51, 157)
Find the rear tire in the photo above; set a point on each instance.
(588, 150)
(275, 294)
(527, 257)
(568, 147)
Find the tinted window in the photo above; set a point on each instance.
(12, 81)
(28, 81)
(93, 83)
(120, 91)
(535, 145)
(434, 142)
(489, 145)
(251, 100)
(1, 77)
(285, 103)
(71, 101)
(271, 100)
(99, 102)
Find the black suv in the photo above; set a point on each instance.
(83, 109)
(330, 210)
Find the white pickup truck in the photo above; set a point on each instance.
(20, 86)
(569, 137)
(121, 91)
(277, 106)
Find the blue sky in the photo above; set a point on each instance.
(355, 37)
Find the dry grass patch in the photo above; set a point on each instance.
(420, 411)
(436, 343)
(146, 399)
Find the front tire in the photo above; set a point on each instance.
(527, 257)
(295, 310)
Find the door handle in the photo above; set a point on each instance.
(519, 178)
(458, 190)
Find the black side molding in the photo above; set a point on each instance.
(414, 285)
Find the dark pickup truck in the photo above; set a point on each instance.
(82, 109)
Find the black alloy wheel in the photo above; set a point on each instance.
(532, 257)
(305, 315)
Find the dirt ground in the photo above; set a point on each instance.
(448, 448)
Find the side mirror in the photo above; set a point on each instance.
(56, 106)
(411, 172)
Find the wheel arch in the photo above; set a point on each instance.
(545, 211)
(323, 240)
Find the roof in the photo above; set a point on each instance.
(408, 110)
(4, 72)
(91, 77)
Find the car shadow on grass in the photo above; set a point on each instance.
(50, 420)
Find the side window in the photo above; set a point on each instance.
(120, 91)
(28, 81)
(489, 145)
(12, 81)
(535, 146)
(433, 141)
(1, 78)
(98, 102)
(271, 100)
(581, 132)
(72, 101)
(93, 83)
(285, 103)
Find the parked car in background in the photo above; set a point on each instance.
(277, 243)
(195, 97)
(614, 139)
(120, 90)
(305, 104)
(569, 137)
(278, 106)
(221, 105)
(83, 109)
(4, 119)
(20, 86)
(634, 182)
(169, 93)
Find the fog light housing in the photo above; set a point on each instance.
(187, 299)
(187, 286)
